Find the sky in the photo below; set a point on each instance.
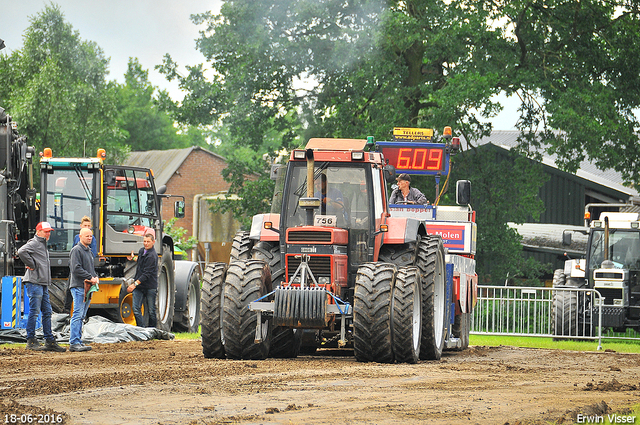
(146, 29)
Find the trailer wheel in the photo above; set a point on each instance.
(461, 328)
(372, 313)
(57, 294)
(430, 262)
(285, 343)
(407, 315)
(188, 319)
(241, 247)
(246, 281)
(211, 310)
(166, 294)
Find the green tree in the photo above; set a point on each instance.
(56, 89)
(178, 234)
(354, 68)
(145, 124)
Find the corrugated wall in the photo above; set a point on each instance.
(563, 197)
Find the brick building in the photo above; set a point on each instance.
(187, 172)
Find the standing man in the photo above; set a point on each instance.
(145, 285)
(37, 278)
(405, 194)
(85, 223)
(82, 270)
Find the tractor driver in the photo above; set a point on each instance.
(330, 198)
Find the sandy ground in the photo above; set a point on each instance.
(170, 382)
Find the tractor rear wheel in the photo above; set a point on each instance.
(407, 315)
(430, 262)
(241, 247)
(401, 255)
(372, 313)
(211, 310)
(246, 281)
(269, 252)
(285, 343)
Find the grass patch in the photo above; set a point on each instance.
(188, 335)
(620, 346)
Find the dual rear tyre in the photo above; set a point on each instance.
(387, 314)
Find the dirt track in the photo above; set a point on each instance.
(170, 382)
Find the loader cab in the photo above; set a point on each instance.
(131, 209)
(121, 202)
(68, 193)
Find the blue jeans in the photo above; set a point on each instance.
(140, 295)
(39, 303)
(77, 317)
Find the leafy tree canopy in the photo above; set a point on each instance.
(145, 124)
(56, 89)
(356, 68)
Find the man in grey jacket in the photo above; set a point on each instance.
(82, 270)
(35, 256)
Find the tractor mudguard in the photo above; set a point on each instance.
(402, 230)
(258, 232)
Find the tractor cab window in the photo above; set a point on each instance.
(341, 190)
(130, 201)
(624, 249)
(344, 191)
(67, 199)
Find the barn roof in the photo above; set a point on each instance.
(164, 163)
(508, 139)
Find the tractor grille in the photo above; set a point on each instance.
(308, 236)
(320, 266)
(610, 294)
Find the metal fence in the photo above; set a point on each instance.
(533, 311)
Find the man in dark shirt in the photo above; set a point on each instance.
(82, 270)
(405, 194)
(145, 285)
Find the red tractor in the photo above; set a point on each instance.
(333, 263)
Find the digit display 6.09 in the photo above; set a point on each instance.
(416, 158)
